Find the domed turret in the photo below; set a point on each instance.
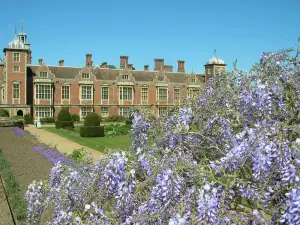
(215, 60)
(16, 44)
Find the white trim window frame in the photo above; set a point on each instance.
(85, 76)
(125, 93)
(16, 90)
(162, 111)
(86, 92)
(176, 94)
(65, 92)
(192, 92)
(162, 94)
(105, 93)
(44, 74)
(16, 57)
(104, 111)
(144, 94)
(43, 111)
(43, 91)
(16, 68)
(125, 111)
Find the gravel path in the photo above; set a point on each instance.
(60, 143)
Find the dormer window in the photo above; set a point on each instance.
(43, 74)
(193, 80)
(85, 76)
(125, 77)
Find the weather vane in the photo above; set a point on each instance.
(215, 51)
(22, 25)
(15, 29)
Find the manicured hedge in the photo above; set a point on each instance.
(4, 113)
(92, 119)
(64, 124)
(28, 119)
(47, 120)
(92, 131)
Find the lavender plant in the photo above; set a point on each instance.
(229, 156)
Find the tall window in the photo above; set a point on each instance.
(193, 80)
(86, 92)
(42, 112)
(144, 94)
(125, 77)
(85, 76)
(16, 57)
(104, 93)
(104, 111)
(176, 93)
(65, 92)
(43, 74)
(16, 90)
(43, 91)
(16, 69)
(162, 94)
(162, 111)
(126, 93)
(125, 111)
(85, 111)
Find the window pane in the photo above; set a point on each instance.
(104, 94)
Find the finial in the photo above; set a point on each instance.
(15, 29)
(22, 25)
(215, 52)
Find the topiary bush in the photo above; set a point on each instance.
(64, 120)
(47, 120)
(92, 119)
(28, 119)
(4, 113)
(92, 126)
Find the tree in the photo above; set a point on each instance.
(229, 156)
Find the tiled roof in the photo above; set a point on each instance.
(64, 72)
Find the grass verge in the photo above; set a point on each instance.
(12, 190)
(97, 143)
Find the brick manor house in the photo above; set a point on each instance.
(43, 90)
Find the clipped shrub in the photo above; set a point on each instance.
(92, 119)
(17, 118)
(64, 115)
(28, 119)
(92, 131)
(4, 113)
(115, 118)
(64, 120)
(47, 120)
(75, 117)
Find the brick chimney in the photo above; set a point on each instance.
(40, 62)
(168, 68)
(123, 62)
(158, 64)
(146, 67)
(130, 66)
(88, 60)
(181, 66)
(104, 65)
(61, 62)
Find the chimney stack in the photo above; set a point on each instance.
(123, 62)
(146, 67)
(61, 62)
(168, 68)
(158, 64)
(40, 62)
(104, 65)
(181, 66)
(130, 66)
(88, 60)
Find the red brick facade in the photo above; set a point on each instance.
(44, 90)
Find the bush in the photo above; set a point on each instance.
(92, 119)
(47, 120)
(128, 121)
(28, 119)
(64, 125)
(78, 155)
(13, 118)
(4, 113)
(64, 115)
(92, 131)
(116, 130)
(75, 117)
(115, 118)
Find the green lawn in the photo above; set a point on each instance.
(98, 144)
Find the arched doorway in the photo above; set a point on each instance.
(19, 113)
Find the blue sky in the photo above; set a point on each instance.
(188, 30)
